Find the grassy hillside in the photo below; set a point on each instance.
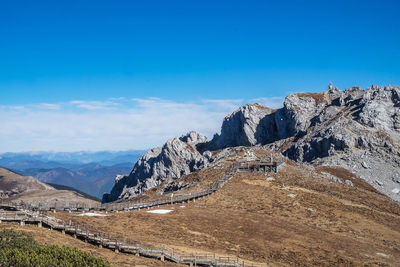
(16, 187)
(64, 187)
(295, 217)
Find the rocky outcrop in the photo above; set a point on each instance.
(360, 120)
(255, 124)
(242, 127)
(357, 129)
(178, 157)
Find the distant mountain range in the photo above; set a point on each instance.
(106, 158)
(90, 172)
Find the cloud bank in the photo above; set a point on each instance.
(113, 124)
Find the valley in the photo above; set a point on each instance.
(92, 173)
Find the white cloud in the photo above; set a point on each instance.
(114, 124)
(96, 105)
(48, 106)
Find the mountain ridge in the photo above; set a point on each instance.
(16, 187)
(332, 127)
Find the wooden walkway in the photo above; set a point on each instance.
(31, 214)
(127, 205)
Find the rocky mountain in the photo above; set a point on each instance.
(356, 129)
(178, 157)
(242, 128)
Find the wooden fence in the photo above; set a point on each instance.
(123, 206)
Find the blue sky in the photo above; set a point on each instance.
(215, 55)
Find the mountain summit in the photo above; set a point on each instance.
(356, 129)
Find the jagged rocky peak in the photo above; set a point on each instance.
(176, 158)
(358, 131)
(193, 138)
(241, 127)
(300, 108)
(381, 108)
(254, 124)
(355, 128)
(355, 117)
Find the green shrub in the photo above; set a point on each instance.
(20, 249)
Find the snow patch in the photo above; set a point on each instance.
(160, 211)
(382, 255)
(91, 214)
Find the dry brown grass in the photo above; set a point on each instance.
(190, 147)
(318, 97)
(33, 191)
(297, 219)
(345, 174)
(258, 105)
(199, 181)
(384, 136)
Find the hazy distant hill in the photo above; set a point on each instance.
(90, 172)
(93, 179)
(66, 159)
(15, 187)
(27, 164)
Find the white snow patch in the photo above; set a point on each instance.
(91, 214)
(160, 211)
(181, 206)
(382, 255)
(396, 191)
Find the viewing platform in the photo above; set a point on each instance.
(260, 166)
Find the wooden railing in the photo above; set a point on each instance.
(123, 206)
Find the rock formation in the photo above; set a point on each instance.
(357, 129)
(241, 128)
(178, 157)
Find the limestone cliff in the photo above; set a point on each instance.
(178, 157)
(357, 129)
